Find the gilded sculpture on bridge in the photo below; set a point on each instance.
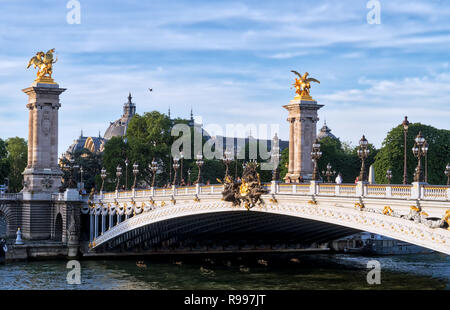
(302, 84)
(43, 61)
(248, 191)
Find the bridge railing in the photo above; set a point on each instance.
(360, 189)
(11, 196)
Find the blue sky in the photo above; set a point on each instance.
(230, 61)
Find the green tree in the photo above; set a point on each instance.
(115, 152)
(284, 163)
(4, 164)
(17, 160)
(148, 136)
(91, 164)
(343, 158)
(391, 154)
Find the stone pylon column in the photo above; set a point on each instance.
(42, 174)
(302, 134)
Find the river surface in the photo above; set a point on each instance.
(307, 271)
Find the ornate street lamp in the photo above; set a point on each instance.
(315, 155)
(363, 153)
(235, 164)
(425, 149)
(126, 173)
(72, 178)
(419, 150)
(276, 162)
(447, 173)
(189, 176)
(153, 167)
(389, 175)
(405, 125)
(329, 173)
(103, 176)
(227, 160)
(75, 175)
(199, 163)
(181, 169)
(176, 165)
(135, 172)
(81, 177)
(118, 175)
(275, 154)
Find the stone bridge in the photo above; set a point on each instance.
(312, 212)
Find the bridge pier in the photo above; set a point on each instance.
(91, 227)
(96, 226)
(103, 224)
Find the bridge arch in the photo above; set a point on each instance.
(3, 225)
(311, 223)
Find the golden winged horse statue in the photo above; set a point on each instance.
(45, 63)
(302, 84)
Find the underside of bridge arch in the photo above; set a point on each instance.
(228, 229)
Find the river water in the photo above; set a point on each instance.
(307, 271)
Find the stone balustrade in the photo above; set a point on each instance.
(420, 191)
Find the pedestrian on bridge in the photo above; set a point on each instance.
(339, 178)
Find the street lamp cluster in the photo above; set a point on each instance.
(363, 153)
(315, 155)
(175, 166)
(420, 149)
(329, 173)
(199, 163)
(227, 158)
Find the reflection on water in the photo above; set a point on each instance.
(312, 271)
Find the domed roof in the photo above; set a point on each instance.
(119, 127)
(93, 144)
(325, 131)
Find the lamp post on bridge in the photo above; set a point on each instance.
(329, 173)
(176, 165)
(419, 151)
(75, 174)
(425, 148)
(126, 173)
(135, 173)
(447, 173)
(81, 178)
(276, 162)
(118, 175)
(199, 163)
(389, 175)
(227, 160)
(153, 167)
(405, 125)
(189, 176)
(103, 176)
(315, 155)
(72, 176)
(181, 167)
(363, 153)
